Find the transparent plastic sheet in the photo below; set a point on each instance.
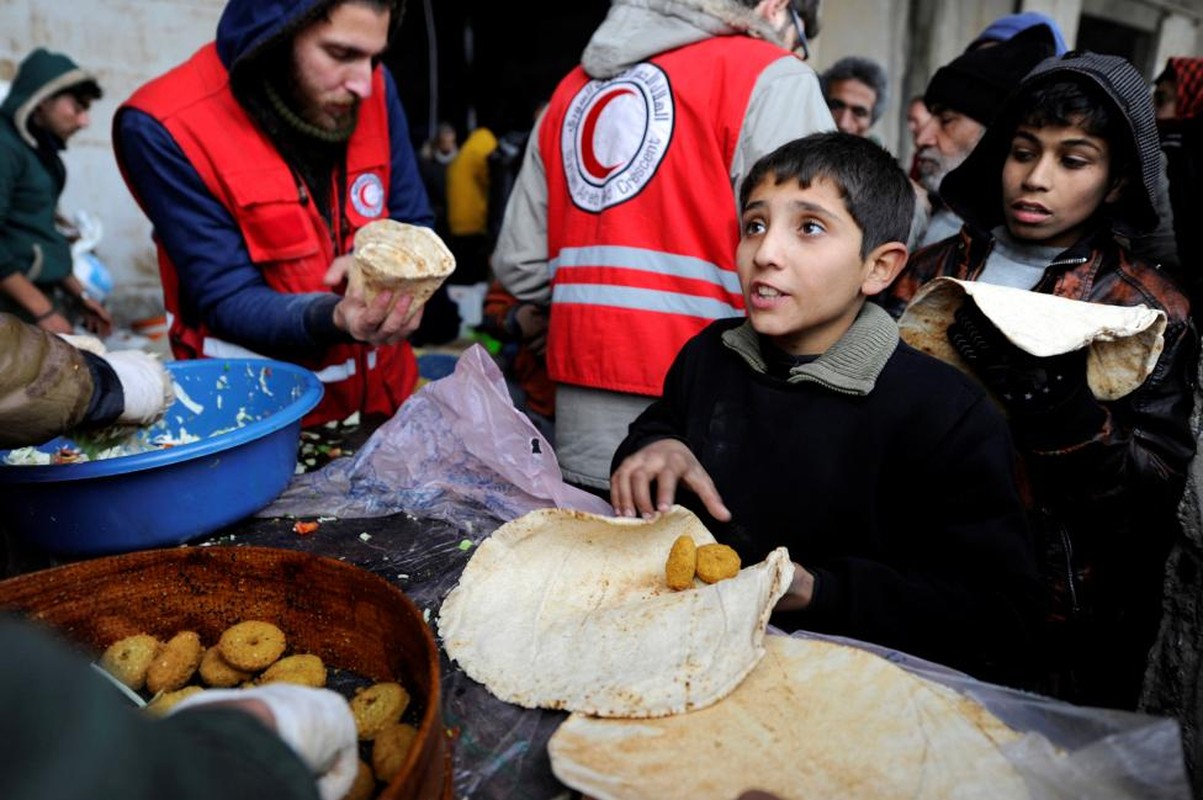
(1067, 751)
(456, 451)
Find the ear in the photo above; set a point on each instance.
(770, 10)
(1116, 191)
(882, 266)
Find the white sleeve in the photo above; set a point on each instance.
(520, 256)
(786, 104)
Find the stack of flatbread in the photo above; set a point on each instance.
(399, 257)
(1124, 341)
(813, 720)
(681, 694)
(567, 610)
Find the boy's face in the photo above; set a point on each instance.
(1054, 179)
(800, 268)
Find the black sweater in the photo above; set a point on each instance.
(886, 473)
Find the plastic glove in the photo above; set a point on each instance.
(316, 723)
(145, 383)
(1025, 383)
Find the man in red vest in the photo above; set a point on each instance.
(257, 160)
(623, 218)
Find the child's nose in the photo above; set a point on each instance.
(769, 253)
(1039, 175)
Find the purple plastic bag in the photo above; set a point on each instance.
(457, 451)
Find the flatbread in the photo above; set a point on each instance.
(815, 719)
(397, 256)
(567, 610)
(1125, 341)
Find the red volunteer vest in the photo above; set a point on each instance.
(641, 217)
(284, 233)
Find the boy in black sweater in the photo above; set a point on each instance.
(888, 474)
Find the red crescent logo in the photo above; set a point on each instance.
(589, 160)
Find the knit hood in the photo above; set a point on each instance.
(635, 30)
(250, 27)
(42, 74)
(973, 190)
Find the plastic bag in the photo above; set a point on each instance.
(457, 451)
(91, 272)
(1067, 751)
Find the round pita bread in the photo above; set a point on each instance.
(1125, 341)
(397, 256)
(814, 719)
(567, 610)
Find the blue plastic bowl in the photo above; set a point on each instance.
(248, 414)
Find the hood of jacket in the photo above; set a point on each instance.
(973, 190)
(250, 27)
(41, 74)
(635, 30)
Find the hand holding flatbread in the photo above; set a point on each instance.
(567, 610)
(401, 258)
(1123, 342)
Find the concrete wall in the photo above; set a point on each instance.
(125, 43)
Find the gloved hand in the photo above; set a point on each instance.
(1049, 399)
(145, 384)
(316, 723)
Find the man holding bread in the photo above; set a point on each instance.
(258, 160)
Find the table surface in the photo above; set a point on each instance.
(500, 749)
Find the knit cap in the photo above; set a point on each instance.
(1005, 27)
(977, 82)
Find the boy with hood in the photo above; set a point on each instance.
(47, 104)
(1071, 161)
(810, 425)
(257, 160)
(623, 218)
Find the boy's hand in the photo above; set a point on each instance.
(667, 462)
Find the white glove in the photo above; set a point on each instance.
(316, 723)
(146, 384)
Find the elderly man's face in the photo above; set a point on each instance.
(333, 61)
(944, 141)
(851, 103)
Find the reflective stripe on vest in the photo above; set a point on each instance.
(642, 298)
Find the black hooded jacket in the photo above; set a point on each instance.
(1105, 495)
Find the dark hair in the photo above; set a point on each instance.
(1066, 102)
(876, 191)
(85, 92)
(867, 71)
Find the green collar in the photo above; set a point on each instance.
(296, 123)
(850, 366)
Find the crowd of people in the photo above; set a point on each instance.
(698, 252)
